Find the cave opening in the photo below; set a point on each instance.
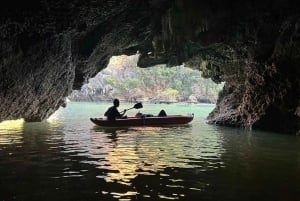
(124, 79)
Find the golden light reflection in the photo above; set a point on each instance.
(53, 123)
(121, 196)
(149, 150)
(131, 157)
(53, 120)
(11, 125)
(11, 131)
(123, 162)
(140, 153)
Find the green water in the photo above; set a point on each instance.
(69, 158)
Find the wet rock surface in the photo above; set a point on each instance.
(49, 48)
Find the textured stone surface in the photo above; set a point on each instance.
(49, 48)
(252, 46)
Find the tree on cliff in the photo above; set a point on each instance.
(123, 79)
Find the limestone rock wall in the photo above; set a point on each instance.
(50, 47)
(252, 46)
(33, 88)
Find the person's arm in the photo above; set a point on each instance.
(123, 112)
(117, 114)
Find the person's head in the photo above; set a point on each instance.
(116, 102)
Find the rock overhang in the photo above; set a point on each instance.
(49, 48)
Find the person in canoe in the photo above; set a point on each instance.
(112, 113)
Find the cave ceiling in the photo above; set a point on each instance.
(48, 48)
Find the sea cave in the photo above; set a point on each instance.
(49, 48)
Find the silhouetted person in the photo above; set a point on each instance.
(112, 113)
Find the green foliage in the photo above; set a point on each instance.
(170, 92)
(163, 82)
(111, 81)
(126, 81)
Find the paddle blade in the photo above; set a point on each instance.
(138, 106)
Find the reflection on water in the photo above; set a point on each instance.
(10, 132)
(68, 158)
(142, 152)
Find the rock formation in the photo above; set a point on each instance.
(49, 48)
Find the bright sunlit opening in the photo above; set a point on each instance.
(123, 78)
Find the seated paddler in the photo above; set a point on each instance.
(112, 113)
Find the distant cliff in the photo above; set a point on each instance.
(123, 79)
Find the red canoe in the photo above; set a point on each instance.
(144, 121)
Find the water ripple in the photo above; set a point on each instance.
(69, 158)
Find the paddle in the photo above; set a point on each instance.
(136, 106)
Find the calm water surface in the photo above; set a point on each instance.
(68, 158)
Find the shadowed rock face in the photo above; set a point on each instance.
(49, 48)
